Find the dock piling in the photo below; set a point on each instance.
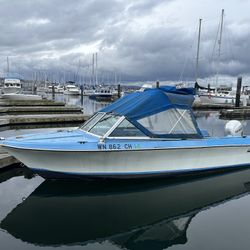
(237, 102)
(81, 88)
(53, 92)
(119, 90)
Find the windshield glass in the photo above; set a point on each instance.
(126, 129)
(171, 121)
(91, 122)
(104, 124)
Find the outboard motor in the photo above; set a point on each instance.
(234, 128)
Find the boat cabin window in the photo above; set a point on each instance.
(126, 129)
(104, 124)
(171, 121)
(91, 122)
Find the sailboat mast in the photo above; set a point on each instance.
(96, 76)
(198, 51)
(219, 43)
(221, 28)
(93, 69)
(8, 66)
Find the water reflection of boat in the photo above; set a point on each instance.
(140, 215)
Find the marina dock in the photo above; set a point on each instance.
(41, 119)
(38, 112)
(7, 160)
(211, 106)
(235, 113)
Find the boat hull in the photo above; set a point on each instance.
(131, 163)
(21, 97)
(72, 92)
(217, 99)
(101, 97)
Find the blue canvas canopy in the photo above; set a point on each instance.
(151, 101)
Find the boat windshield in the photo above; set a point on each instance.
(91, 122)
(127, 129)
(104, 124)
(172, 123)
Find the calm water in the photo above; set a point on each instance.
(88, 105)
(202, 212)
(211, 212)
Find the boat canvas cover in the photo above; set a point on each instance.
(151, 101)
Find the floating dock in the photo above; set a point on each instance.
(7, 160)
(43, 102)
(211, 106)
(227, 111)
(18, 112)
(41, 119)
(39, 109)
(235, 113)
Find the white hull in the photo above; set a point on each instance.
(57, 90)
(71, 92)
(132, 162)
(11, 90)
(213, 99)
(41, 89)
(21, 97)
(88, 92)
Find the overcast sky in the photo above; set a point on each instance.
(140, 40)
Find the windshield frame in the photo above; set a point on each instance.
(103, 114)
(90, 119)
(111, 116)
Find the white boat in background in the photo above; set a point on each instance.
(57, 88)
(145, 86)
(71, 90)
(224, 94)
(220, 95)
(12, 86)
(88, 92)
(12, 90)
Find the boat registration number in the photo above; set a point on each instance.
(118, 146)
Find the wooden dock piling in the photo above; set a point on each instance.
(119, 90)
(238, 91)
(157, 84)
(53, 92)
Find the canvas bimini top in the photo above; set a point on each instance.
(163, 112)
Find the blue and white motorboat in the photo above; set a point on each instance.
(144, 134)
